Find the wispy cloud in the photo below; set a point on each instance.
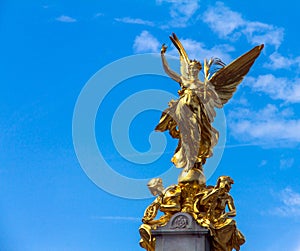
(146, 42)
(65, 19)
(290, 203)
(99, 14)
(181, 11)
(269, 126)
(286, 163)
(297, 246)
(263, 163)
(130, 20)
(231, 25)
(223, 21)
(278, 61)
(257, 33)
(284, 89)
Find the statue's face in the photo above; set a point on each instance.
(156, 190)
(225, 186)
(194, 69)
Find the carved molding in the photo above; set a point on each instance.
(180, 221)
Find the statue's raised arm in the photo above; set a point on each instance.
(172, 74)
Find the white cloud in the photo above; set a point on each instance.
(291, 198)
(266, 126)
(298, 246)
(290, 203)
(181, 11)
(258, 33)
(277, 88)
(222, 20)
(130, 20)
(99, 14)
(263, 163)
(66, 19)
(230, 25)
(286, 163)
(145, 42)
(277, 61)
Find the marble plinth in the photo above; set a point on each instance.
(182, 233)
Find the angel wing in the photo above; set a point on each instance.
(184, 59)
(226, 80)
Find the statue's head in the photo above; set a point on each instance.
(194, 68)
(155, 186)
(224, 182)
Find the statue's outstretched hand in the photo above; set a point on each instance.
(163, 49)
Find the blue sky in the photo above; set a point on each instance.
(50, 50)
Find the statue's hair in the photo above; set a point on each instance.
(154, 182)
(197, 63)
(226, 179)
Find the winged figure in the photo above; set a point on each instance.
(190, 117)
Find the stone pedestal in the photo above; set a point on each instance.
(182, 233)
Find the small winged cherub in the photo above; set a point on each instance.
(190, 117)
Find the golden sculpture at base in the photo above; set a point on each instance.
(222, 227)
(189, 119)
(167, 201)
(206, 204)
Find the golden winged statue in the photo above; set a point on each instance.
(190, 117)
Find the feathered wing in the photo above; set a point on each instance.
(226, 80)
(184, 59)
